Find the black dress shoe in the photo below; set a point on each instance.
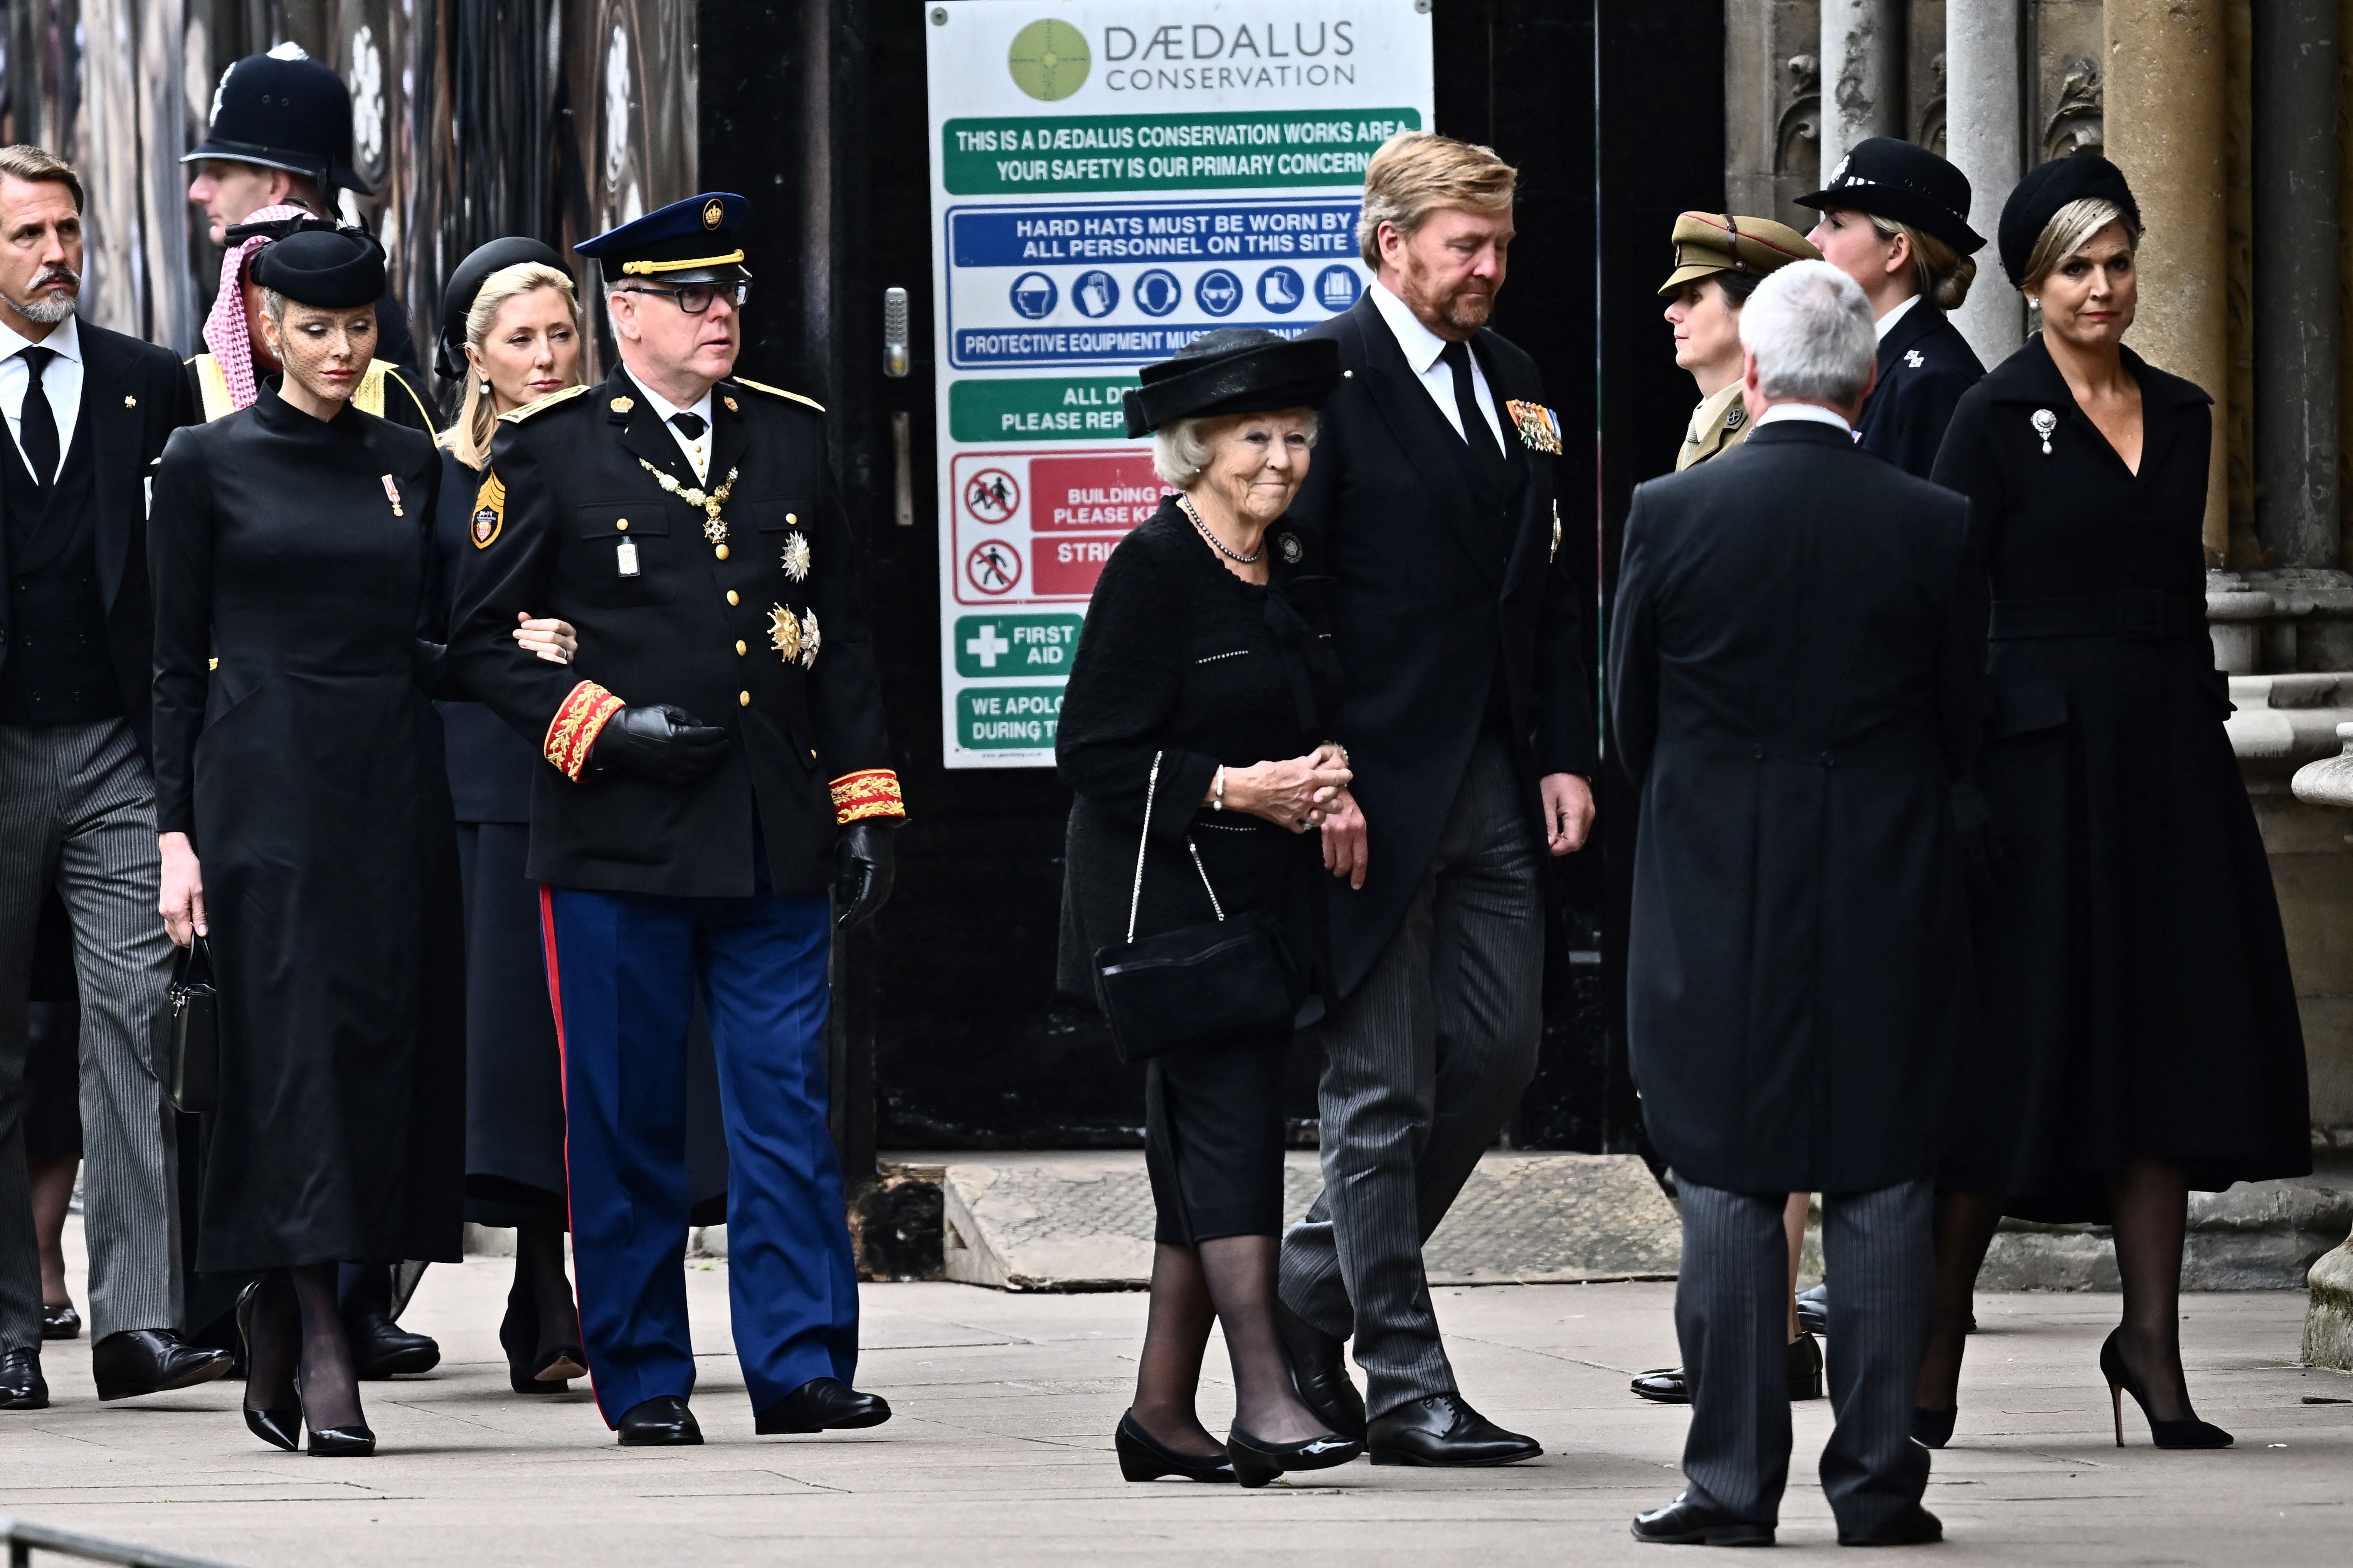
(60, 1322)
(1684, 1522)
(1814, 1309)
(22, 1386)
(1319, 1370)
(1142, 1458)
(819, 1405)
(1917, 1527)
(382, 1347)
(531, 1370)
(1257, 1463)
(151, 1361)
(1933, 1428)
(1667, 1384)
(662, 1422)
(1443, 1429)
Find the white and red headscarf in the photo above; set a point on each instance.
(227, 332)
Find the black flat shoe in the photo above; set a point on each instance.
(1319, 1370)
(1684, 1522)
(1443, 1430)
(151, 1361)
(822, 1405)
(1933, 1428)
(22, 1387)
(1257, 1463)
(382, 1347)
(1917, 1527)
(661, 1422)
(279, 1426)
(1142, 1458)
(60, 1322)
(2188, 1433)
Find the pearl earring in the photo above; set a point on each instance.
(486, 388)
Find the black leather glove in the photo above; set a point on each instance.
(666, 744)
(864, 873)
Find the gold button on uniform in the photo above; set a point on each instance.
(732, 598)
(742, 700)
(792, 517)
(623, 525)
(739, 647)
(719, 551)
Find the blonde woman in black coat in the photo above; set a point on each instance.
(2141, 1038)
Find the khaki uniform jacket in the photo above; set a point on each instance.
(1718, 425)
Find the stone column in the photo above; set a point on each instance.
(1862, 75)
(2296, 324)
(1985, 136)
(2165, 76)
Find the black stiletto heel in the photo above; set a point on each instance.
(279, 1426)
(2188, 1433)
(353, 1442)
(1142, 1458)
(1257, 1463)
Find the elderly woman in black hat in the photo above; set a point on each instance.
(2141, 1031)
(1895, 219)
(306, 835)
(1193, 718)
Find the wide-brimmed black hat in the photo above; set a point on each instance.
(334, 270)
(1892, 179)
(2036, 200)
(1234, 370)
(284, 111)
(466, 283)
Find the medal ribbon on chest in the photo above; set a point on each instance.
(714, 527)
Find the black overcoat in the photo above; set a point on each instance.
(307, 768)
(1924, 365)
(2135, 981)
(572, 481)
(1429, 600)
(1795, 681)
(133, 398)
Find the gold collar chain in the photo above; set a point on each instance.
(714, 527)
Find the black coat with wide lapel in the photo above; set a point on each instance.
(1425, 611)
(1924, 365)
(133, 396)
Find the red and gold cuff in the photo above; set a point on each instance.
(871, 792)
(578, 722)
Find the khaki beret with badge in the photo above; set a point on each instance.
(1710, 243)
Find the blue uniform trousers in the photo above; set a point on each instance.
(623, 968)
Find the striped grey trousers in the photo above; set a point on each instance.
(78, 810)
(1731, 1307)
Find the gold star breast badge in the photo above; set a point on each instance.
(783, 633)
(796, 557)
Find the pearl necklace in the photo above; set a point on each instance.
(1220, 545)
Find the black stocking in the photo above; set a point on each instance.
(1174, 1338)
(539, 1270)
(1965, 1226)
(330, 1390)
(273, 1346)
(1240, 1270)
(2150, 1199)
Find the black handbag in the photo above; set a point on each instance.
(1225, 982)
(192, 1024)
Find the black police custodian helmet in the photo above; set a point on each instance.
(2035, 200)
(333, 269)
(1892, 179)
(1234, 370)
(692, 241)
(466, 284)
(284, 111)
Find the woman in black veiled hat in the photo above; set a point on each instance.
(1200, 693)
(306, 834)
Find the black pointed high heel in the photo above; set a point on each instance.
(279, 1426)
(1142, 1458)
(353, 1442)
(1257, 1463)
(2188, 1433)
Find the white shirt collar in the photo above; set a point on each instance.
(665, 407)
(1422, 345)
(1886, 323)
(64, 340)
(1811, 413)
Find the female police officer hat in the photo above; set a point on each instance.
(1894, 179)
(333, 270)
(1234, 370)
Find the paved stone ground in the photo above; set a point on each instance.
(1001, 1451)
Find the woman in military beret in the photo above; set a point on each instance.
(1720, 258)
(306, 835)
(1193, 718)
(2141, 1033)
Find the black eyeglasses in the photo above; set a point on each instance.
(694, 298)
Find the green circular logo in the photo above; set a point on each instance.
(1049, 60)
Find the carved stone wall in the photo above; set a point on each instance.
(1772, 91)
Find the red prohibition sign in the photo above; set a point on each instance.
(993, 567)
(992, 495)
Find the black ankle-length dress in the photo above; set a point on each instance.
(2133, 975)
(306, 765)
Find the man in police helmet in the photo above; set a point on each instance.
(715, 802)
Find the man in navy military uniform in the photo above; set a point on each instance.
(716, 766)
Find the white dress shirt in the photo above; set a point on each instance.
(1422, 347)
(698, 450)
(1886, 323)
(1812, 413)
(62, 381)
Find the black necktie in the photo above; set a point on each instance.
(1485, 452)
(690, 426)
(40, 422)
